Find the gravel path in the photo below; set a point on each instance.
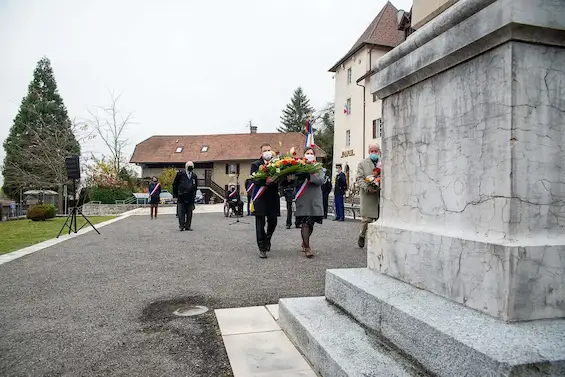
(102, 305)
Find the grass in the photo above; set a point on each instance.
(17, 234)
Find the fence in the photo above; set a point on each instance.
(12, 211)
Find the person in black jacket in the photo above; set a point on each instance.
(154, 196)
(184, 189)
(326, 189)
(339, 192)
(267, 207)
(234, 201)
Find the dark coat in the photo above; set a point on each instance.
(235, 197)
(326, 186)
(287, 189)
(184, 188)
(154, 199)
(269, 203)
(340, 184)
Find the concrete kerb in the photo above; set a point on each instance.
(5, 258)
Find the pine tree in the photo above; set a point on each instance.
(294, 116)
(324, 133)
(41, 137)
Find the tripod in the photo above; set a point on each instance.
(240, 215)
(72, 225)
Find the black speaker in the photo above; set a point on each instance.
(73, 167)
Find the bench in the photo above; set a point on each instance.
(353, 208)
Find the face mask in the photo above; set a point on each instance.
(267, 155)
(374, 156)
(154, 181)
(310, 157)
(190, 168)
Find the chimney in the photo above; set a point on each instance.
(253, 129)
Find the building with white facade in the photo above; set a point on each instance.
(357, 112)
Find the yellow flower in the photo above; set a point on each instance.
(278, 164)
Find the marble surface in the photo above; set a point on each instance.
(473, 193)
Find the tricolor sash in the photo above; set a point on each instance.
(260, 191)
(250, 188)
(301, 190)
(232, 194)
(155, 189)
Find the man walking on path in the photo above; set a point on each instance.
(339, 192)
(184, 189)
(266, 203)
(370, 198)
(287, 187)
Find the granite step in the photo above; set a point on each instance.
(447, 338)
(335, 345)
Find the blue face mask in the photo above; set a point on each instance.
(374, 156)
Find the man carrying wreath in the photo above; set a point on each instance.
(266, 203)
(370, 194)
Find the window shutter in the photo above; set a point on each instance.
(227, 169)
(237, 168)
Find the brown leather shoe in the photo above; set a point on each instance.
(308, 252)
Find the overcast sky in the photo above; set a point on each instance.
(181, 66)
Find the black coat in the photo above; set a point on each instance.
(154, 199)
(269, 203)
(340, 184)
(287, 188)
(327, 186)
(183, 188)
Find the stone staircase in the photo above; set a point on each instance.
(369, 324)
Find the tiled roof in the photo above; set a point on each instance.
(383, 31)
(222, 147)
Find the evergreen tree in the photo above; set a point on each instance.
(41, 137)
(294, 116)
(324, 133)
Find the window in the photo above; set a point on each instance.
(349, 74)
(375, 97)
(377, 128)
(232, 169)
(178, 150)
(348, 106)
(347, 138)
(204, 148)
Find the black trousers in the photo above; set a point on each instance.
(248, 204)
(185, 214)
(325, 197)
(289, 213)
(264, 238)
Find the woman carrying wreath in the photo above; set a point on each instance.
(309, 202)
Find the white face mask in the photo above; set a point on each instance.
(267, 155)
(310, 157)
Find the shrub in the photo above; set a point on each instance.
(41, 212)
(108, 195)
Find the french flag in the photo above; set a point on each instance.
(309, 143)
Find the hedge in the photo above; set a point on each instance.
(41, 212)
(107, 195)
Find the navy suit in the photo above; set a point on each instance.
(339, 192)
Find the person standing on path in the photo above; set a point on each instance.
(309, 203)
(154, 196)
(266, 203)
(339, 192)
(370, 198)
(184, 189)
(249, 190)
(326, 190)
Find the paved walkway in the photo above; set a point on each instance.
(103, 304)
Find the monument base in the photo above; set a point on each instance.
(372, 324)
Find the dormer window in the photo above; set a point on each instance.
(178, 150)
(204, 148)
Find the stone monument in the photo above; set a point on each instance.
(466, 267)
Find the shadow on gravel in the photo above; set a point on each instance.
(193, 341)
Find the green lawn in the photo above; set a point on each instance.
(17, 234)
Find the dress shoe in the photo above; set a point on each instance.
(288, 226)
(308, 252)
(262, 254)
(189, 229)
(361, 242)
(181, 228)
